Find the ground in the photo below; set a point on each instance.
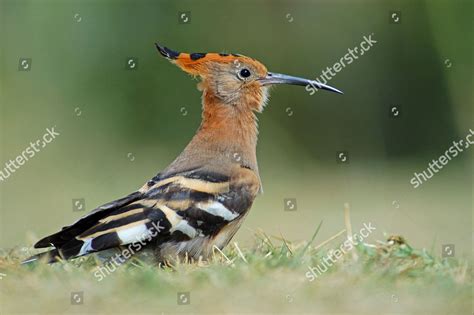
(389, 277)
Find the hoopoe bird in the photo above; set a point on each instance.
(201, 199)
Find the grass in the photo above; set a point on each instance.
(268, 277)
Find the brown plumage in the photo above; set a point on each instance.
(200, 200)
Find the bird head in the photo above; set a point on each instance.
(234, 79)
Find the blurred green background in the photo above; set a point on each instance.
(120, 127)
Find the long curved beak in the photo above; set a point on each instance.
(278, 78)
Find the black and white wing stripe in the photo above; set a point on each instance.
(167, 211)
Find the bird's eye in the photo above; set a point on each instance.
(244, 73)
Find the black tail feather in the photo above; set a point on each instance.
(69, 233)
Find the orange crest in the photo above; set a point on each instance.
(198, 63)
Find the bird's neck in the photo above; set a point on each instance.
(228, 134)
(229, 131)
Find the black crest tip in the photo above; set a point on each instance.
(166, 52)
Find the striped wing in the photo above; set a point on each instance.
(184, 212)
